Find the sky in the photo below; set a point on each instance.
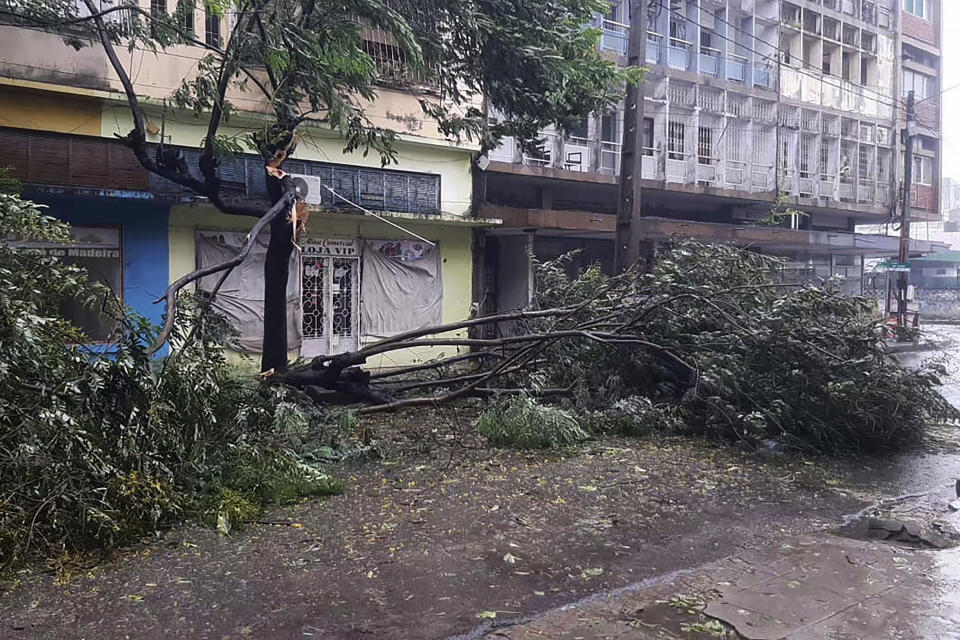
(950, 69)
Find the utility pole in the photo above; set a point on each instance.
(903, 276)
(629, 209)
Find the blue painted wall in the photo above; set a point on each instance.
(146, 252)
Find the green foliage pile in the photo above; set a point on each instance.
(97, 449)
(710, 343)
(520, 421)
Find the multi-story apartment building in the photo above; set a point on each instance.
(61, 110)
(748, 105)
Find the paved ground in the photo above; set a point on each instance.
(417, 549)
(811, 587)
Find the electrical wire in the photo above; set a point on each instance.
(379, 217)
(799, 70)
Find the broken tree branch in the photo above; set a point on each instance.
(170, 295)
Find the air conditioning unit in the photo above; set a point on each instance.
(309, 188)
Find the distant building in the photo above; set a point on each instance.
(745, 99)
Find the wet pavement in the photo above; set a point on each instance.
(811, 587)
(889, 570)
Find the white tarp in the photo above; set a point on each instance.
(241, 297)
(402, 289)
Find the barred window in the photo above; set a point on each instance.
(675, 135)
(705, 145)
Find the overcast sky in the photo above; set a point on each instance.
(951, 99)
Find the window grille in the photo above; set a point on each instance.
(675, 134)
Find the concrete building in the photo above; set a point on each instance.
(744, 100)
(60, 110)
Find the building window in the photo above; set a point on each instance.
(923, 171)
(675, 134)
(609, 132)
(824, 164)
(618, 12)
(705, 145)
(648, 137)
(919, 8)
(212, 29)
(922, 86)
(98, 251)
(158, 7)
(185, 16)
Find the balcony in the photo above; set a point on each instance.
(762, 76)
(678, 54)
(577, 154)
(615, 36)
(736, 174)
(610, 158)
(654, 48)
(736, 68)
(710, 61)
(676, 167)
(650, 164)
(707, 173)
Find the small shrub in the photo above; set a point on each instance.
(633, 416)
(522, 422)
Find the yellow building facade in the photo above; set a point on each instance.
(56, 102)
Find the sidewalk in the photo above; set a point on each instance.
(812, 586)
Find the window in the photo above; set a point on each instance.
(923, 171)
(581, 130)
(608, 128)
(98, 250)
(922, 86)
(824, 163)
(919, 8)
(678, 26)
(212, 29)
(675, 134)
(158, 7)
(618, 12)
(185, 15)
(705, 145)
(648, 136)
(706, 39)
(805, 158)
(863, 163)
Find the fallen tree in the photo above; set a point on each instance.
(706, 336)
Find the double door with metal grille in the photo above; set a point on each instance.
(330, 296)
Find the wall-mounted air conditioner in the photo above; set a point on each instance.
(309, 188)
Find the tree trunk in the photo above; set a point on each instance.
(276, 272)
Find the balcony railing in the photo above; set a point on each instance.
(736, 173)
(736, 68)
(654, 48)
(577, 154)
(677, 168)
(650, 164)
(610, 158)
(762, 76)
(707, 172)
(615, 36)
(678, 54)
(710, 61)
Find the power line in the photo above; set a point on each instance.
(802, 62)
(799, 70)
